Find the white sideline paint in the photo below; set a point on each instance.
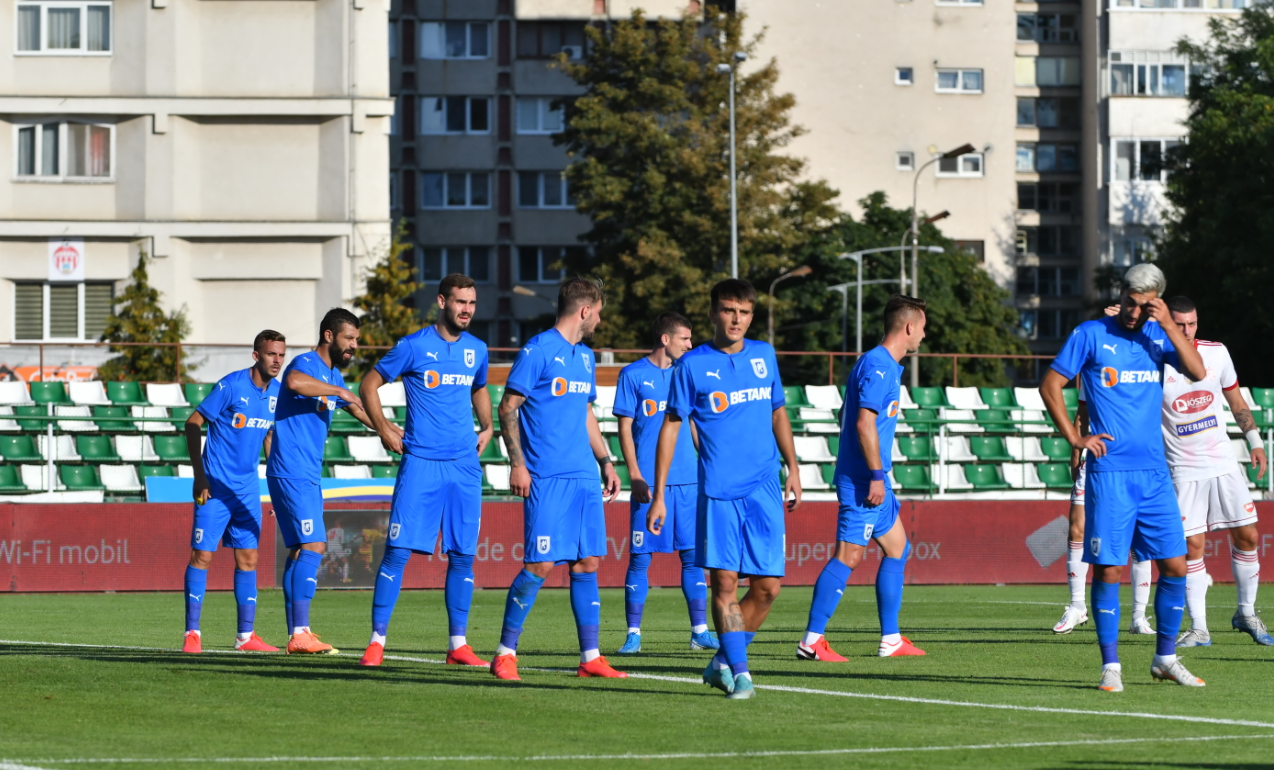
(678, 755)
(6, 764)
(776, 687)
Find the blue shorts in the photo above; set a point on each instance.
(231, 517)
(1131, 509)
(298, 507)
(747, 535)
(563, 520)
(857, 522)
(678, 534)
(437, 494)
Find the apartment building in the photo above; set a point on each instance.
(241, 143)
(475, 172)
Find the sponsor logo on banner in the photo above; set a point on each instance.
(543, 543)
(758, 367)
(639, 537)
(1198, 426)
(470, 357)
(1194, 401)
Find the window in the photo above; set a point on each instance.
(1048, 112)
(542, 39)
(1047, 71)
(975, 248)
(538, 115)
(544, 190)
(1048, 198)
(905, 161)
(393, 40)
(64, 28)
(544, 264)
(903, 76)
(455, 40)
(1047, 157)
(959, 82)
(1216, 5)
(1047, 27)
(437, 262)
(1048, 241)
(1142, 160)
(1048, 281)
(61, 311)
(455, 115)
(65, 151)
(959, 2)
(969, 165)
(1148, 73)
(1126, 251)
(455, 190)
(1048, 324)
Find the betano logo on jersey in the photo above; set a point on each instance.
(719, 401)
(1194, 401)
(561, 386)
(1110, 376)
(243, 421)
(892, 411)
(433, 379)
(650, 407)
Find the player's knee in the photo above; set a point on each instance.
(245, 559)
(1245, 538)
(849, 554)
(200, 559)
(319, 547)
(587, 564)
(1194, 547)
(540, 569)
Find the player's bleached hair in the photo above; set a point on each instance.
(668, 323)
(1181, 304)
(902, 309)
(1143, 279)
(267, 335)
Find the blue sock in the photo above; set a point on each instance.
(586, 604)
(196, 588)
(889, 580)
(1106, 617)
(288, 568)
(694, 586)
(1170, 602)
(827, 593)
(304, 583)
(389, 582)
(518, 606)
(734, 644)
(245, 598)
(636, 588)
(459, 592)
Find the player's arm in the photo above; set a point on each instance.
(869, 443)
(481, 400)
(1051, 392)
(1243, 416)
(1189, 358)
(783, 435)
(194, 447)
(1081, 425)
(391, 436)
(303, 384)
(664, 450)
(601, 453)
(694, 435)
(519, 476)
(641, 490)
(269, 442)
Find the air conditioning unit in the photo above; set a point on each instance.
(573, 51)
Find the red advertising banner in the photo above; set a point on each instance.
(145, 547)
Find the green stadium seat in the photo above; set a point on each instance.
(39, 410)
(833, 445)
(795, 396)
(1071, 396)
(162, 471)
(171, 448)
(487, 489)
(1055, 475)
(126, 394)
(114, 426)
(989, 449)
(996, 420)
(492, 453)
(998, 398)
(326, 472)
(96, 449)
(49, 393)
(917, 449)
(1264, 397)
(1056, 449)
(1251, 476)
(19, 448)
(196, 392)
(930, 398)
(625, 481)
(921, 420)
(914, 477)
(984, 477)
(344, 422)
(829, 473)
(400, 415)
(80, 478)
(497, 393)
(389, 472)
(616, 451)
(11, 480)
(179, 415)
(334, 451)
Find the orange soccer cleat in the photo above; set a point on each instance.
(254, 643)
(464, 656)
(505, 667)
(819, 650)
(903, 647)
(192, 643)
(374, 656)
(307, 643)
(600, 668)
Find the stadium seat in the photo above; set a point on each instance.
(1241, 451)
(986, 477)
(136, 449)
(35, 411)
(351, 472)
(996, 420)
(88, 393)
(1231, 424)
(895, 453)
(344, 422)
(154, 419)
(496, 392)
(967, 421)
(167, 394)
(196, 392)
(14, 393)
(63, 448)
(7, 424)
(74, 426)
(989, 449)
(49, 393)
(188, 471)
(833, 445)
(904, 398)
(367, 449)
(171, 449)
(964, 398)
(1071, 397)
(956, 481)
(393, 394)
(606, 397)
(34, 478)
(19, 449)
(823, 396)
(1057, 450)
(261, 470)
(498, 477)
(1020, 476)
(113, 424)
(96, 449)
(817, 420)
(492, 452)
(929, 398)
(1031, 420)
(1055, 475)
(1253, 482)
(1029, 398)
(125, 393)
(914, 477)
(178, 416)
(1262, 397)
(80, 478)
(120, 478)
(924, 420)
(794, 395)
(917, 449)
(812, 477)
(400, 414)
(1025, 449)
(388, 472)
(829, 475)
(335, 451)
(625, 478)
(1248, 398)
(163, 471)
(11, 480)
(958, 450)
(998, 398)
(616, 451)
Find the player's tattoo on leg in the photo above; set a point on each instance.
(732, 618)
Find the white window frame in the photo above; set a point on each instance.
(905, 161)
(468, 115)
(1032, 148)
(1138, 247)
(446, 181)
(1192, 6)
(543, 274)
(958, 2)
(543, 107)
(1147, 67)
(441, 26)
(541, 179)
(449, 253)
(961, 74)
(910, 78)
(1134, 173)
(971, 165)
(44, 327)
(82, 6)
(61, 177)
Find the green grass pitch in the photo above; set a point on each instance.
(987, 646)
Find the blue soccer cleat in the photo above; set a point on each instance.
(704, 641)
(720, 678)
(1254, 626)
(743, 688)
(632, 645)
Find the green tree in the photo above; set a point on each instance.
(139, 318)
(650, 139)
(1216, 243)
(388, 302)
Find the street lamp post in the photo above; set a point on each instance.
(795, 273)
(857, 256)
(739, 57)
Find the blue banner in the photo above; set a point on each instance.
(167, 489)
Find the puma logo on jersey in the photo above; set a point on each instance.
(312, 580)
(882, 374)
(560, 360)
(252, 599)
(1111, 348)
(244, 399)
(716, 374)
(434, 356)
(648, 382)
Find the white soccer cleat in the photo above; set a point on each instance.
(1112, 679)
(1175, 672)
(1141, 626)
(1072, 617)
(1195, 637)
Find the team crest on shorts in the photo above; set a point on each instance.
(470, 357)
(198, 535)
(393, 530)
(867, 528)
(639, 537)
(1094, 545)
(758, 367)
(307, 526)
(543, 543)
(274, 400)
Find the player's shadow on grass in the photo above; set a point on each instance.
(842, 674)
(1193, 765)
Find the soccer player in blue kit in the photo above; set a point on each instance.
(641, 399)
(439, 485)
(730, 387)
(239, 414)
(555, 447)
(1130, 501)
(868, 507)
(312, 389)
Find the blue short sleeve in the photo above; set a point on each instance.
(399, 360)
(778, 399)
(681, 397)
(873, 389)
(215, 401)
(480, 376)
(1074, 353)
(592, 385)
(626, 396)
(527, 370)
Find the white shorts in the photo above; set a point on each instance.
(1077, 491)
(1221, 502)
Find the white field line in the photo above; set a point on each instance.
(777, 687)
(6, 764)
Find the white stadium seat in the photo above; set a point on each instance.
(812, 477)
(498, 477)
(812, 449)
(92, 393)
(1025, 449)
(393, 394)
(74, 425)
(351, 472)
(606, 396)
(904, 399)
(965, 398)
(1029, 398)
(367, 449)
(135, 449)
(969, 424)
(153, 425)
(823, 396)
(120, 478)
(64, 447)
(165, 394)
(33, 478)
(958, 450)
(1241, 451)
(14, 393)
(1029, 420)
(955, 479)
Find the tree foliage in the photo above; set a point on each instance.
(140, 318)
(1218, 235)
(388, 309)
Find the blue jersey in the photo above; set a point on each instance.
(301, 422)
(239, 416)
(642, 394)
(557, 380)
(731, 398)
(873, 384)
(1121, 373)
(439, 378)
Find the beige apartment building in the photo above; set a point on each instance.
(244, 144)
